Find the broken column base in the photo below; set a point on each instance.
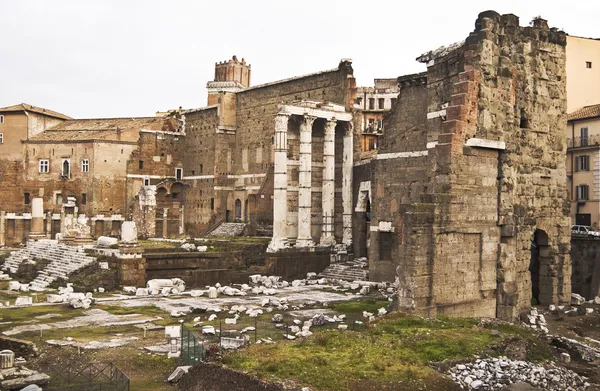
(131, 265)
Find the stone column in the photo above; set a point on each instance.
(280, 179)
(49, 225)
(328, 194)
(181, 220)
(37, 219)
(305, 183)
(347, 165)
(165, 227)
(2, 228)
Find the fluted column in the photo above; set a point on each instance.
(305, 183)
(328, 194)
(280, 179)
(347, 164)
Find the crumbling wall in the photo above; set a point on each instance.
(200, 165)
(478, 167)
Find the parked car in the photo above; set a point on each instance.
(584, 231)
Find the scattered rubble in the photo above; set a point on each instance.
(496, 373)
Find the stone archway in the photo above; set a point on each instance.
(539, 268)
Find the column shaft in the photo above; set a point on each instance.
(2, 228)
(280, 181)
(328, 194)
(347, 166)
(305, 184)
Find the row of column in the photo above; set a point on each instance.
(304, 238)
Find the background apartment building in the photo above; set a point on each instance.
(583, 130)
(374, 102)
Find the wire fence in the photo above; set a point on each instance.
(95, 376)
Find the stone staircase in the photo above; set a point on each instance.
(348, 271)
(229, 229)
(64, 260)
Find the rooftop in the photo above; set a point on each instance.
(39, 110)
(591, 111)
(108, 129)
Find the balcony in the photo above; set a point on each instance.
(579, 142)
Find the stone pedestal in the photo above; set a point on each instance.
(132, 264)
(37, 219)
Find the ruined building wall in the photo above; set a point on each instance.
(199, 169)
(485, 175)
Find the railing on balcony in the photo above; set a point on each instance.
(583, 141)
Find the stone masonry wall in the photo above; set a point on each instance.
(478, 162)
(199, 163)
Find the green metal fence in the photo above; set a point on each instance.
(192, 351)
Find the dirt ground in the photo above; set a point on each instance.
(583, 328)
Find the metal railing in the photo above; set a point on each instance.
(96, 376)
(583, 141)
(192, 351)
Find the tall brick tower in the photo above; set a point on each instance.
(230, 76)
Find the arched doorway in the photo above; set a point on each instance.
(238, 210)
(540, 258)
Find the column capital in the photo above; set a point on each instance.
(330, 125)
(281, 121)
(349, 128)
(307, 121)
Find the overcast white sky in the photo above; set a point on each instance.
(92, 59)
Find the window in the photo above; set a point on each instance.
(58, 199)
(1, 138)
(66, 168)
(201, 167)
(371, 103)
(582, 163)
(582, 192)
(212, 204)
(381, 103)
(178, 173)
(371, 124)
(43, 165)
(141, 164)
(1, 119)
(146, 181)
(588, 64)
(85, 165)
(26, 198)
(83, 198)
(371, 144)
(174, 195)
(583, 135)
(359, 101)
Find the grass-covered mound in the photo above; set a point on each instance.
(392, 353)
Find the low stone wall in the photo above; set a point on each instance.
(200, 269)
(294, 264)
(585, 277)
(20, 347)
(211, 377)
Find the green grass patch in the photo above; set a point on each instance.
(148, 310)
(25, 314)
(392, 350)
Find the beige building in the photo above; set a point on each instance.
(21, 122)
(583, 72)
(373, 103)
(583, 165)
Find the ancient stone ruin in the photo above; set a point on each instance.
(469, 184)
